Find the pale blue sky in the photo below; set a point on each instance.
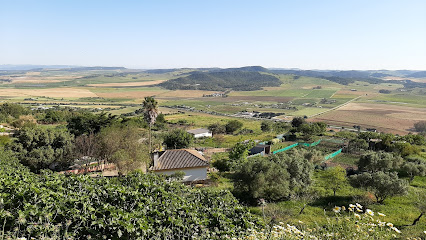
(307, 34)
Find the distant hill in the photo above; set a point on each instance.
(341, 77)
(236, 80)
(421, 74)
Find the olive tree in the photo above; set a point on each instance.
(381, 184)
(379, 161)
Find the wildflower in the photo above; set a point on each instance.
(358, 205)
(343, 208)
(389, 224)
(358, 210)
(336, 209)
(352, 206)
(382, 224)
(357, 216)
(369, 212)
(396, 230)
(300, 222)
(381, 214)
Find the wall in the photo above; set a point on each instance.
(207, 134)
(191, 174)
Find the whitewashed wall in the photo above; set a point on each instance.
(191, 174)
(203, 135)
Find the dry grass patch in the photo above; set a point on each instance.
(48, 92)
(127, 84)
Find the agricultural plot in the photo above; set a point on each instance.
(385, 117)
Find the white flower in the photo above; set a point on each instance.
(357, 216)
(389, 224)
(369, 212)
(352, 206)
(396, 230)
(381, 214)
(358, 205)
(337, 209)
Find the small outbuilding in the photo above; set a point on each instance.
(191, 162)
(262, 149)
(200, 132)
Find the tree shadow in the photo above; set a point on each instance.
(331, 201)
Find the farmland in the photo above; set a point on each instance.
(297, 96)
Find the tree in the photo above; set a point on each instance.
(13, 110)
(381, 184)
(121, 145)
(272, 178)
(379, 161)
(150, 106)
(261, 178)
(217, 128)
(86, 123)
(41, 148)
(178, 138)
(420, 126)
(233, 126)
(266, 126)
(86, 146)
(355, 145)
(239, 153)
(334, 179)
(297, 121)
(413, 169)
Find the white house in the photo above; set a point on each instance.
(200, 132)
(191, 162)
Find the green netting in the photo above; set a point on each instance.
(285, 149)
(333, 154)
(296, 144)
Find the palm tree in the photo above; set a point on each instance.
(150, 106)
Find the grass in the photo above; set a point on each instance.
(321, 93)
(400, 210)
(346, 158)
(403, 98)
(308, 111)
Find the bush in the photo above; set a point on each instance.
(41, 148)
(233, 126)
(136, 206)
(178, 138)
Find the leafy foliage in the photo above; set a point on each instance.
(381, 184)
(274, 178)
(420, 126)
(379, 161)
(233, 126)
(178, 138)
(334, 179)
(122, 146)
(41, 148)
(238, 154)
(87, 123)
(136, 206)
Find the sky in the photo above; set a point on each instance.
(305, 34)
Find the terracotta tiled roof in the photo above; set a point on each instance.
(180, 158)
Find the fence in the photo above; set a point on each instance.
(332, 155)
(297, 144)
